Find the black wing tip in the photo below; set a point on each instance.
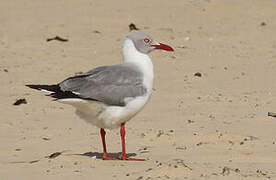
(63, 95)
(55, 91)
(52, 88)
(33, 86)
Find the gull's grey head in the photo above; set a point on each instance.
(145, 44)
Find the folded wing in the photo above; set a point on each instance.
(108, 84)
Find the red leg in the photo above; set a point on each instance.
(105, 156)
(123, 156)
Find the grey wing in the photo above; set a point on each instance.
(108, 84)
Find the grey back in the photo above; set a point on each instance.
(108, 84)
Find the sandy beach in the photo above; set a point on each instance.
(207, 117)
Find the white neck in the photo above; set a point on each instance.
(141, 60)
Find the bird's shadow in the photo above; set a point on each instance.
(98, 155)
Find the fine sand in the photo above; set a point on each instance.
(213, 126)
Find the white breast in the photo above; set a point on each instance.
(104, 116)
(141, 61)
(113, 116)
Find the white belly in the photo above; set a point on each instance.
(104, 116)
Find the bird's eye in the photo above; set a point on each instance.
(146, 40)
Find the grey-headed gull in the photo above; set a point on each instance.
(109, 96)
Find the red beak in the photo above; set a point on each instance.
(163, 46)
